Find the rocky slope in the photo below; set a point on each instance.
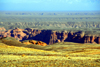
(49, 36)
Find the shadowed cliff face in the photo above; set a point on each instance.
(49, 36)
(39, 35)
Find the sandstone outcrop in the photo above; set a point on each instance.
(16, 33)
(34, 42)
(2, 32)
(49, 36)
(87, 39)
(58, 41)
(92, 38)
(98, 40)
(41, 43)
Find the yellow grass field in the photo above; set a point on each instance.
(65, 54)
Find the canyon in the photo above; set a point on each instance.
(49, 36)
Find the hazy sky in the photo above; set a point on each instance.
(49, 5)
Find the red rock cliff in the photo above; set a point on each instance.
(49, 36)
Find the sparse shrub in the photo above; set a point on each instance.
(98, 60)
(90, 59)
(67, 56)
(23, 55)
(6, 61)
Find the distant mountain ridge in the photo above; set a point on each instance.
(15, 13)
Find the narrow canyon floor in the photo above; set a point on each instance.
(64, 54)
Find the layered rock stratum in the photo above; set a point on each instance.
(49, 36)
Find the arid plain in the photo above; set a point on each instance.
(17, 53)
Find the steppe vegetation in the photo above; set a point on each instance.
(64, 54)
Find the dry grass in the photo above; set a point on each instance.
(62, 55)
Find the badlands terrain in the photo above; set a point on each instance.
(49, 39)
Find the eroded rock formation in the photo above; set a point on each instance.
(49, 36)
(34, 42)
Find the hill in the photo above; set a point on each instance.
(62, 54)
